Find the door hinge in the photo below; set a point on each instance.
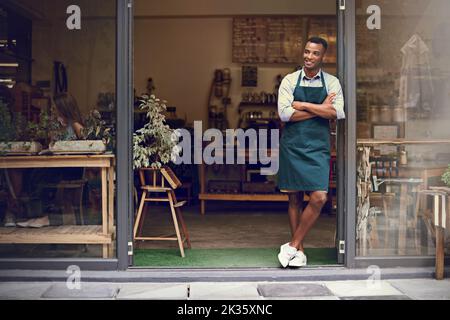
(341, 4)
(130, 248)
(342, 247)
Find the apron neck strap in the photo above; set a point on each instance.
(301, 76)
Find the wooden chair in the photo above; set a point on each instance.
(437, 221)
(162, 181)
(385, 201)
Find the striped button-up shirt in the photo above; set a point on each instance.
(287, 88)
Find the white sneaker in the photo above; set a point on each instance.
(299, 260)
(35, 223)
(10, 220)
(287, 253)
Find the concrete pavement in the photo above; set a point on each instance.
(393, 289)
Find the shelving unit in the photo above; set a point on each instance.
(262, 197)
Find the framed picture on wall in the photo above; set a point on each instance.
(386, 132)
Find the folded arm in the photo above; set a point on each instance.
(286, 109)
(325, 110)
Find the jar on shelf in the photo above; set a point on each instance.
(374, 114)
(385, 114)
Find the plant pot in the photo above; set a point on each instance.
(78, 147)
(18, 148)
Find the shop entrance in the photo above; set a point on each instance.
(218, 70)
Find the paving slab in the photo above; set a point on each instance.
(304, 298)
(363, 288)
(401, 297)
(22, 291)
(86, 291)
(153, 291)
(424, 289)
(223, 291)
(293, 290)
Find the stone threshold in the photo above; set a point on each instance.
(136, 275)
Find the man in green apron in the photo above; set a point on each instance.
(308, 100)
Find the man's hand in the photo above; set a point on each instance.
(330, 99)
(299, 106)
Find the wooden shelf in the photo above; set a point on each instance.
(56, 235)
(243, 197)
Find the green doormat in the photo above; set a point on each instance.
(225, 258)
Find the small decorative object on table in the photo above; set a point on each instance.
(97, 138)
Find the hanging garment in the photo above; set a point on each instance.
(416, 87)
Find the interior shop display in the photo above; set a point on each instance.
(224, 186)
(219, 99)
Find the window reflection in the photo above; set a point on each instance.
(57, 131)
(403, 132)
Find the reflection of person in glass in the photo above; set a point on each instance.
(70, 118)
(308, 100)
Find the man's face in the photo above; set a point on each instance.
(313, 55)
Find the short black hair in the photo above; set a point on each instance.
(318, 40)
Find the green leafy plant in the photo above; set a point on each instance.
(7, 131)
(96, 129)
(155, 143)
(13, 127)
(446, 176)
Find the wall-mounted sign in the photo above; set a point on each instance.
(249, 76)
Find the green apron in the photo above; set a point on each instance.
(305, 146)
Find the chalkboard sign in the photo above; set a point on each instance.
(281, 39)
(267, 40)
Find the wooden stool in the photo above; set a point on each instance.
(441, 204)
(162, 181)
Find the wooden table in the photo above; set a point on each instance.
(103, 234)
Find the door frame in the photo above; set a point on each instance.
(342, 239)
(125, 129)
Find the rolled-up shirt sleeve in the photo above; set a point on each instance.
(285, 99)
(335, 87)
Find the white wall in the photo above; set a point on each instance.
(181, 43)
(88, 54)
(232, 7)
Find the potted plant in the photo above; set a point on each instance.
(446, 177)
(96, 138)
(18, 137)
(154, 144)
